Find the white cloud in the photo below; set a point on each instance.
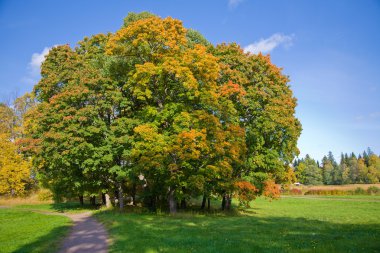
(267, 45)
(234, 3)
(36, 61)
(34, 66)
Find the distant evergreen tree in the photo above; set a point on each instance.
(327, 170)
(351, 169)
(308, 172)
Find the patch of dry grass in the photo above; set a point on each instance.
(34, 198)
(347, 187)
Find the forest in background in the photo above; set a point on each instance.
(352, 169)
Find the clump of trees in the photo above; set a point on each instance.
(16, 174)
(352, 169)
(157, 113)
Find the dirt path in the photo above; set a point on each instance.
(87, 235)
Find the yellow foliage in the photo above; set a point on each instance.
(158, 34)
(14, 170)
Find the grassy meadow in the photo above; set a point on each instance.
(291, 224)
(285, 225)
(24, 231)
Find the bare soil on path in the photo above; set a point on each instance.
(87, 235)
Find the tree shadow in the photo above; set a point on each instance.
(163, 233)
(48, 243)
(72, 206)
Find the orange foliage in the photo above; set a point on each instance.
(191, 144)
(271, 190)
(245, 192)
(231, 88)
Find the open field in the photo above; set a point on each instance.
(347, 187)
(291, 224)
(26, 231)
(286, 225)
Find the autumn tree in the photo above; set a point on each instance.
(156, 109)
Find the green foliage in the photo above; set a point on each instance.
(133, 17)
(351, 170)
(308, 172)
(157, 101)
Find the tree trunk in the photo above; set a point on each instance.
(81, 200)
(134, 194)
(203, 202)
(208, 204)
(228, 202)
(153, 203)
(103, 199)
(224, 202)
(183, 203)
(108, 200)
(93, 200)
(121, 197)
(172, 202)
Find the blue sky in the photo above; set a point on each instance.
(330, 50)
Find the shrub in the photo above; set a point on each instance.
(295, 191)
(271, 190)
(245, 192)
(373, 190)
(360, 191)
(325, 192)
(44, 195)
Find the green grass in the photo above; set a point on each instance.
(70, 207)
(286, 225)
(26, 231)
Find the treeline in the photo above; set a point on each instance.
(156, 113)
(352, 169)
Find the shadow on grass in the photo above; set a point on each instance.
(72, 207)
(163, 233)
(58, 207)
(48, 243)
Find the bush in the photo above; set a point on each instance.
(360, 191)
(326, 192)
(373, 190)
(271, 190)
(44, 195)
(245, 192)
(295, 191)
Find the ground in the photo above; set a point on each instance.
(288, 225)
(291, 224)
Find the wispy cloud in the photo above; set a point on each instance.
(267, 45)
(374, 115)
(37, 59)
(34, 66)
(369, 117)
(234, 3)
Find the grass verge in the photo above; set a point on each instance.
(26, 231)
(286, 225)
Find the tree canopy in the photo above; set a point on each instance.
(157, 111)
